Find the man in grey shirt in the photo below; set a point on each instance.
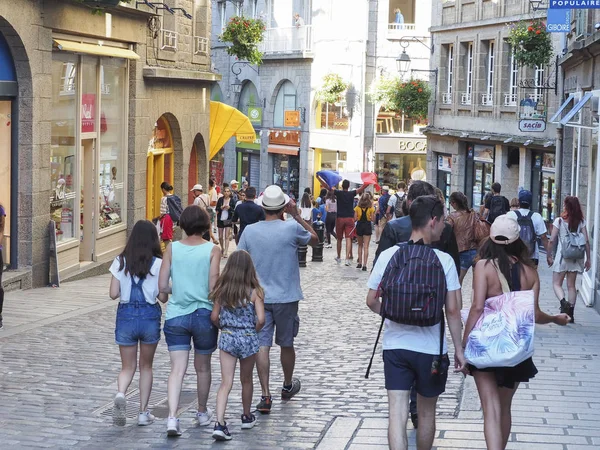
(273, 245)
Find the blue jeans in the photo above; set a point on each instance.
(466, 258)
(195, 327)
(138, 322)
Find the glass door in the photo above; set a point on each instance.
(592, 216)
(89, 199)
(483, 176)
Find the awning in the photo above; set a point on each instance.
(576, 108)
(569, 99)
(226, 121)
(283, 149)
(95, 49)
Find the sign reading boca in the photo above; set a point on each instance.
(532, 125)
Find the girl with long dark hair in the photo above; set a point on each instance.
(572, 221)
(505, 250)
(135, 281)
(331, 208)
(306, 207)
(239, 312)
(225, 207)
(462, 220)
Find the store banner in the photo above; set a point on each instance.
(574, 4)
(88, 107)
(558, 21)
(255, 115)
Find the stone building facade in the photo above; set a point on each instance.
(491, 117)
(96, 111)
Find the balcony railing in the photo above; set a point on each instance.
(287, 40)
(447, 98)
(200, 45)
(169, 40)
(487, 99)
(510, 99)
(400, 30)
(465, 98)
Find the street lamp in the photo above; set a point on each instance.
(236, 86)
(403, 63)
(537, 5)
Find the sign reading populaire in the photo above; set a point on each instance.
(532, 125)
(558, 21)
(574, 4)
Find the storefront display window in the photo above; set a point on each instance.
(332, 116)
(112, 151)
(249, 167)
(64, 143)
(159, 166)
(444, 176)
(543, 184)
(286, 173)
(393, 168)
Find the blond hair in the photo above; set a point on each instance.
(237, 282)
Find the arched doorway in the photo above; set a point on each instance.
(197, 172)
(160, 165)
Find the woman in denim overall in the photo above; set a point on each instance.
(135, 281)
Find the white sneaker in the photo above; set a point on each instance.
(120, 410)
(173, 427)
(338, 260)
(347, 262)
(145, 418)
(204, 418)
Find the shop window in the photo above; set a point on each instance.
(332, 116)
(113, 151)
(390, 122)
(63, 151)
(285, 101)
(393, 168)
(402, 11)
(447, 96)
(248, 97)
(510, 97)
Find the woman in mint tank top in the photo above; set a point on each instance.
(189, 271)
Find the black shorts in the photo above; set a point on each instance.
(364, 228)
(508, 376)
(403, 368)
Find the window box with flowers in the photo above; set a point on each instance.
(244, 34)
(531, 43)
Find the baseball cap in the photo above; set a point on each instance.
(525, 196)
(197, 187)
(505, 230)
(233, 182)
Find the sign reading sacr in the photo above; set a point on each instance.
(532, 125)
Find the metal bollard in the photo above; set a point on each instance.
(302, 251)
(317, 252)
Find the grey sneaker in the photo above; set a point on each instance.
(145, 418)
(204, 418)
(120, 410)
(173, 427)
(288, 393)
(338, 260)
(347, 263)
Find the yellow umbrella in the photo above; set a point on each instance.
(226, 121)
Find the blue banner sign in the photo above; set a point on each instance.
(558, 21)
(574, 4)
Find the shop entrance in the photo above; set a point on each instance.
(543, 185)
(444, 176)
(479, 173)
(159, 166)
(88, 200)
(5, 175)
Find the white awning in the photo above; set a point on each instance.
(576, 109)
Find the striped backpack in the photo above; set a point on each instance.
(413, 287)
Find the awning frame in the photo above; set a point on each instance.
(565, 120)
(94, 49)
(570, 98)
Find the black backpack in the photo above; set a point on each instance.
(527, 233)
(175, 208)
(398, 206)
(497, 208)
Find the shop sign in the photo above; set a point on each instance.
(88, 106)
(532, 125)
(255, 115)
(558, 21)
(291, 119)
(483, 153)
(401, 145)
(445, 163)
(574, 4)
(284, 137)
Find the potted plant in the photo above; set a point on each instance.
(244, 34)
(332, 89)
(531, 43)
(413, 97)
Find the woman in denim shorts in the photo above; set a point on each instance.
(135, 281)
(192, 266)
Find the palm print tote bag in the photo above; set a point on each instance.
(503, 335)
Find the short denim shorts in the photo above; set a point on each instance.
(138, 323)
(466, 258)
(195, 327)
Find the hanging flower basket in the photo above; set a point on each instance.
(531, 43)
(332, 89)
(244, 34)
(413, 98)
(383, 92)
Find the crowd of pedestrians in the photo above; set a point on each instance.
(423, 255)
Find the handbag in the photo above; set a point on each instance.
(503, 335)
(227, 223)
(481, 229)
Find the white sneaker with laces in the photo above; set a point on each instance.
(145, 418)
(204, 418)
(173, 427)
(120, 410)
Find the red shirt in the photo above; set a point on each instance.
(166, 223)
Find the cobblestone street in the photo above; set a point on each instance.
(58, 369)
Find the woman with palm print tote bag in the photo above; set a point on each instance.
(499, 329)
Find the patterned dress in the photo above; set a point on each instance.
(239, 337)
